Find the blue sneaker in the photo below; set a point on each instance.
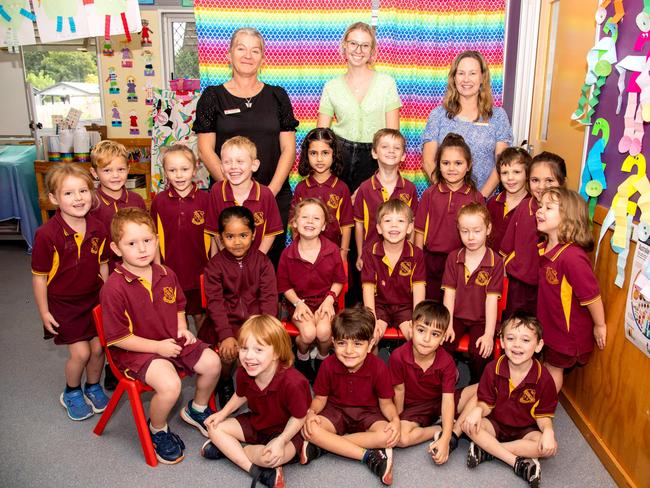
(196, 419)
(76, 405)
(168, 446)
(97, 398)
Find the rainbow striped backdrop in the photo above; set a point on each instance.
(417, 40)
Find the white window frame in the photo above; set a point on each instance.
(167, 17)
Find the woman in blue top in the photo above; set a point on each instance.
(467, 109)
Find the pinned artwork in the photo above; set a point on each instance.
(148, 63)
(60, 20)
(133, 123)
(113, 89)
(114, 17)
(16, 23)
(148, 89)
(593, 173)
(145, 41)
(116, 119)
(127, 57)
(131, 96)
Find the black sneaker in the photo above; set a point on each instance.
(530, 470)
(271, 477)
(225, 391)
(309, 452)
(476, 455)
(110, 381)
(305, 368)
(453, 441)
(380, 462)
(168, 446)
(210, 451)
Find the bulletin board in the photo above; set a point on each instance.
(129, 76)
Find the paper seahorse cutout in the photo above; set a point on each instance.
(593, 174)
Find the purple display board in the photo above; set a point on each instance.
(628, 33)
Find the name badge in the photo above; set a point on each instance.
(232, 111)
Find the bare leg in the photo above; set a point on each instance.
(557, 374)
(324, 435)
(76, 363)
(207, 368)
(163, 378)
(324, 336)
(373, 438)
(256, 454)
(486, 439)
(198, 321)
(228, 437)
(96, 362)
(466, 403)
(307, 335)
(527, 447)
(411, 433)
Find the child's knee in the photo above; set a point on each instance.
(80, 352)
(210, 363)
(323, 332)
(96, 349)
(308, 334)
(169, 386)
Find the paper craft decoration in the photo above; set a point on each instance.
(593, 173)
(130, 90)
(116, 120)
(127, 57)
(113, 88)
(16, 23)
(60, 20)
(145, 41)
(133, 123)
(148, 63)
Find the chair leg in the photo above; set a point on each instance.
(106, 415)
(141, 424)
(212, 403)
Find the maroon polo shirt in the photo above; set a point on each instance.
(106, 208)
(535, 397)
(501, 216)
(472, 289)
(519, 243)
(336, 196)
(260, 201)
(286, 396)
(307, 279)
(436, 216)
(133, 306)
(363, 388)
(422, 386)
(236, 289)
(393, 285)
(566, 286)
(70, 260)
(371, 194)
(180, 221)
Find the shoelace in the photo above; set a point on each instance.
(169, 440)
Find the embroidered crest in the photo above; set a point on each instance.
(199, 217)
(169, 294)
(333, 201)
(406, 198)
(259, 218)
(528, 396)
(94, 245)
(551, 276)
(482, 278)
(405, 269)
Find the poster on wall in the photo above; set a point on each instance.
(637, 310)
(16, 23)
(60, 20)
(115, 16)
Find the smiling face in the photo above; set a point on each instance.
(179, 172)
(309, 221)
(513, 178)
(137, 246)
(73, 196)
(453, 167)
(357, 48)
(548, 215)
(352, 352)
(468, 77)
(320, 156)
(246, 54)
(394, 227)
(389, 151)
(257, 357)
(237, 165)
(112, 177)
(473, 231)
(541, 178)
(237, 237)
(520, 343)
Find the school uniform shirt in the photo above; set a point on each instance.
(535, 397)
(393, 285)
(473, 288)
(336, 196)
(371, 194)
(519, 244)
(422, 386)
(501, 216)
(260, 202)
(180, 221)
(437, 212)
(566, 286)
(310, 279)
(363, 388)
(287, 395)
(236, 289)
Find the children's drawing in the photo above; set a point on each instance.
(113, 17)
(16, 23)
(148, 63)
(116, 119)
(133, 123)
(130, 90)
(113, 89)
(144, 34)
(127, 58)
(59, 20)
(148, 88)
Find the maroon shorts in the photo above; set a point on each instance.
(74, 316)
(134, 365)
(348, 420)
(257, 437)
(434, 263)
(313, 302)
(394, 314)
(426, 413)
(564, 361)
(507, 433)
(522, 297)
(193, 306)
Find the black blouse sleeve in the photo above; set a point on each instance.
(285, 111)
(206, 111)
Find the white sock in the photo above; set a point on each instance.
(198, 408)
(321, 357)
(303, 356)
(155, 431)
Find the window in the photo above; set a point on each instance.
(180, 46)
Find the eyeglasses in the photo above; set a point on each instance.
(353, 45)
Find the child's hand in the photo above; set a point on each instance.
(439, 451)
(273, 452)
(600, 334)
(359, 263)
(168, 348)
(229, 349)
(405, 328)
(311, 420)
(451, 335)
(213, 421)
(302, 313)
(326, 309)
(472, 422)
(50, 324)
(485, 344)
(189, 337)
(393, 429)
(547, 444)
(380, 330)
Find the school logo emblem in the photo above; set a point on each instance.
(482, 279)
(94, 245)
(551, 276)
(406, 198)
(259, 218)
(405, 269)
(528, 396)
(199, 217)
(333, 201)
(169, 294)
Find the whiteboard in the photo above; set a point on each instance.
(13, 97)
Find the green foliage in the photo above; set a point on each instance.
(187, 64)
(61, 65)
(40, 80)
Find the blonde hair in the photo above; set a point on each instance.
(106, 151)
(130, 215)
(394, 205)
(179, 148)
(475, 208)
(242, 143)
(574, 217)
(268, 330)
(250, 31)
(363, 27)
(55, 176)
(451, 101)
(303, 203)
